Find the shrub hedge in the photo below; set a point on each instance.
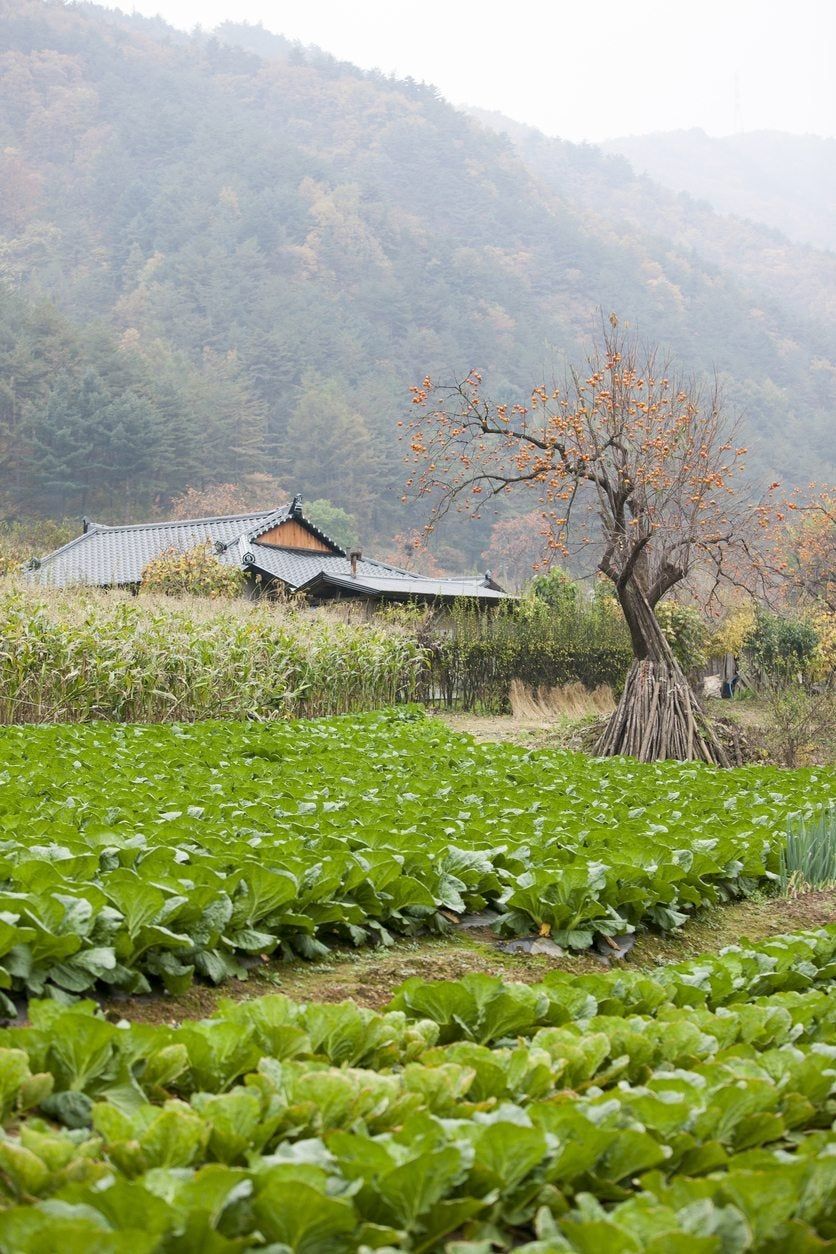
(474, 658)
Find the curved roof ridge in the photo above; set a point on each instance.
(413, 574)
(184, 522)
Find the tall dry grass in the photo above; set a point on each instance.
(572, 700)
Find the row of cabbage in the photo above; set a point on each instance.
(692, 1109)
(133, 855)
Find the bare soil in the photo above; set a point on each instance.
(532, 733)
(742, 725)
(370, 977)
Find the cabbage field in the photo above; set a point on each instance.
(688, 1111)
(134, 856)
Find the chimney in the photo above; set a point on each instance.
(354, 557)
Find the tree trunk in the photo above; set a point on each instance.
(658, 715)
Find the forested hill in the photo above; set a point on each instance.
(219, 259)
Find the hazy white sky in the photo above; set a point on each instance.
(582, 69)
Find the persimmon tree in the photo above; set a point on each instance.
(631, 460)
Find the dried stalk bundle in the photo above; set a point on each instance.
(659, 716)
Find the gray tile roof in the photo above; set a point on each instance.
(296, 568)
(106, 556)
(112, 556)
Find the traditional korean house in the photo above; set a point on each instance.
(280, 549)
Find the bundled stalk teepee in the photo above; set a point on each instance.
(659, 716)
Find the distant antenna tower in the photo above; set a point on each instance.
(738, 108)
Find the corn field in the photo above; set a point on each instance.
(75, 657)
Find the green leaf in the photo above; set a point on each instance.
(505, 1154)
(26, 1173)
(308, 1222)
(631, 1152)
(412, 1189)
(233, 1120)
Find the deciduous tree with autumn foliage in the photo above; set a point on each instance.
(638, 463)
(516, 549)
(808, 549)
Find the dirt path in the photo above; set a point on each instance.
(369, 977)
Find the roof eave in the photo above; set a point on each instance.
(358, 586)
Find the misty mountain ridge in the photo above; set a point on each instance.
(224, 255)
(784, 181)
